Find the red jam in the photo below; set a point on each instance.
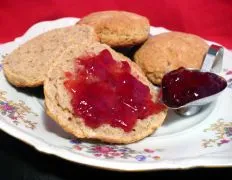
(104, 92)
(182, 86)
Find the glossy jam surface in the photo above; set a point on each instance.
(104, 92)
(182, 86)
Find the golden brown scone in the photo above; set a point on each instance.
(168, 51)
(27, 65)
(58, 106)
(118, 28)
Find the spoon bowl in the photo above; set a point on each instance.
(194, 107)
(212, 64)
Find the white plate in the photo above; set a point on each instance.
(201, 140)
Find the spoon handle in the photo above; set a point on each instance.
(213, 59)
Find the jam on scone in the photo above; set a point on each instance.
(105, 92)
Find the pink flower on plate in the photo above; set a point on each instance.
(229, 72)
(14, 118)
(103, 149)
(78, 147)
(115, 154)
(156, 157)
(97, 155)
(6, 107)
(149, 150)
(224, 141)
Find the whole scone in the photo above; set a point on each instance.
(27, 65)
(168, 51)
(118, 28)
(59, 107)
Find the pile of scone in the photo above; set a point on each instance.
(44, 60)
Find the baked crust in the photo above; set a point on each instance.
(58, 107)
(27, 65)
(168, 51)
(118, 28)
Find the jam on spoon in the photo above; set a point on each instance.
(182, 86)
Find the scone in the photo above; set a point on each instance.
(168, 51)
(27, 65)
(92, 116)
(118, 28)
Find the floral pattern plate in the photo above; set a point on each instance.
(204, 140)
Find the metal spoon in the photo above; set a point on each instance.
(212, 63)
